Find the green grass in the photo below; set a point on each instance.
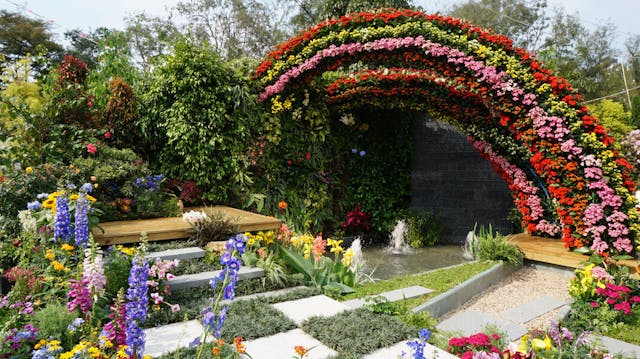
(440, 280)
(357, 332)
(627, 332)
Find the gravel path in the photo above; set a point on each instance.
(520, 288)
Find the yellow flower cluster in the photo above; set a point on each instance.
(54, 345)
(347, 257)
(50, 202)
(335, 246)
(84, 347)
(278, 106)
(584, 285)
(260, 239)
(129, 251)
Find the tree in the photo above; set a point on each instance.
(635, 112)
(337, 8)
(150, 37)
(585, 58)
(84, 46)
(235, 27)
(20, 36)
(524, 21)
(633, 50)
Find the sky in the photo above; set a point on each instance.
(88, 15)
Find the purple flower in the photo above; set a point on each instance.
(86, 188)
(34, 206)
(80, 296)
(354, 150)
(82, 221)
(136, 307)
(62, 220)
(362, 153)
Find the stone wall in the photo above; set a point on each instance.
(450, 179)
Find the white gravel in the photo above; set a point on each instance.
(519, 288)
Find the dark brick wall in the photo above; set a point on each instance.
(450, 179)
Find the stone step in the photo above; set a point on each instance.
(171, 337)
(397, 350)
(204, 278)
(269, 294)
(471, 322)
(300, 310)
(615, 346)
(392, 296)
(179, 253)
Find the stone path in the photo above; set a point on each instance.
(514, 320)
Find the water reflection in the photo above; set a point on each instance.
(419, 260)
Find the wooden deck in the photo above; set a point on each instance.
(158, 229)
(552, 251)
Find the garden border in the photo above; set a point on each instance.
(463, 292)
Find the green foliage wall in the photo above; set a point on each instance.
(613, 116)
(198, 121)
(380, 181)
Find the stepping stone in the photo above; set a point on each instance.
(302, 309)
(532, 309)
(204, 278)
(396, 350)
(180, 253)
(281, 345)
(171, 337)
(615, 346)
(392, 296)
(269, 294)
(471, 322)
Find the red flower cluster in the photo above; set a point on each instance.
(619, 296)
(465, 347)
(357, 221)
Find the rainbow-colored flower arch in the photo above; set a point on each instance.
(565, 176)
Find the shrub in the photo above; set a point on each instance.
(423, 229)
(494, 246)
(198, 120)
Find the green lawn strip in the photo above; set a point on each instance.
(440, 280)
(358, 331)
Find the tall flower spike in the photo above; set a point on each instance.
(136, 307)
(82, 220)
(62, 220)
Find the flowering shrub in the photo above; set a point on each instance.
(544, 140)
(357, 221)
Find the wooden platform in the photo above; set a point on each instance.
(158, 229)
(552, 251)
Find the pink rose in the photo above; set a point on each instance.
(92, 149)
(107, 135)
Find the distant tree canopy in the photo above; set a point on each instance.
(20, 36)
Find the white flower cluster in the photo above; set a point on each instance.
(194, 217)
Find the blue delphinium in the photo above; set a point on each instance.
(86, 188)
(417, 346)
(136, 306)
(34, 206)
(62, 220)
(150, 182)
(82, 221)
(228, 277)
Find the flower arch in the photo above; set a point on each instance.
(565, 176)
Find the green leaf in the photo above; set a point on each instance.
(339, 287)
(297, 262)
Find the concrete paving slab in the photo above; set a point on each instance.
(471, 322)
(268, 294)
(204, 278)
(281, 345)
(396, 350)
(179, 253)
(615, 346)
(392, 296)
(302, 309)
(532, 309)
(168, 338)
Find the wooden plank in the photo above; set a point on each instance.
(158, 229)
(552, 251)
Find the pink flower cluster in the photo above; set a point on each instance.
(466, 347)
(160, 271)
(620, 296)
(550, 127)
(520, 186)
